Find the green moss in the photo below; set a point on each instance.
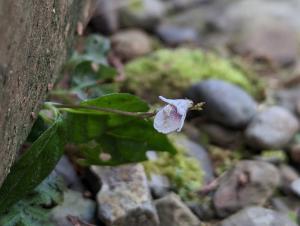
(170, 72)
(136, 5)
(183, 171)
(293, 216)
(224, 159)
(278, 155)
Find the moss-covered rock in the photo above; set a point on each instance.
(170, 72)
(224, 159)
(183, 171)
(136, 6)
(273, 156)
(144, 14)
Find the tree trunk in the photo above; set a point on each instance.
(34, 40)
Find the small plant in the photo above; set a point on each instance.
(112, 129)
(34, 208)
(106, 130)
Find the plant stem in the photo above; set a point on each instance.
(110, 110)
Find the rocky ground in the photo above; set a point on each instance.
(238, 160)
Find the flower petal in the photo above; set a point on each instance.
(167, 120)
(171, 117)
(181, 122)
(182, 105)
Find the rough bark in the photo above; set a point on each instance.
(34, 40)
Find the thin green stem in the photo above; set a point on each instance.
(109, 110)
(50, 106)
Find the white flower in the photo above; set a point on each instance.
(171, 117)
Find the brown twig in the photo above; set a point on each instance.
(212, 186)
(292, 81)
(77, 222)
(116, 62)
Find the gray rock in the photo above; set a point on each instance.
(65, 169)
(251, 27)
(191, 131)
(179, 5)
(204, 211)
(197, 17)
(159, 185)
(257, 216)
(287, 176)
(130, 44)
(174, 35)
(286, 204)
(279, 205)
(295, 186)
(75, 205)
(262, 37)
(233, 14)
(257, 28)
(295, 153)
(198, 152)
(173, 212)
(226, 103)
(144, 14)
(272, 128)
(124, 198)
(105, 19)
(288, 98)
(220, 135)
(248, 183)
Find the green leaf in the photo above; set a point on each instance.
(119, 101)
(96, 47)
(90, 83)
(95, 50)
(81, 128)
(85, 76)
(121, 151)
(23, 214)
(38, 128)
(154, 140)
(48, 193)
(126, 145)
(83, 73)
(34, 209)
(125, 139)
(33, 166)
(107, 72)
